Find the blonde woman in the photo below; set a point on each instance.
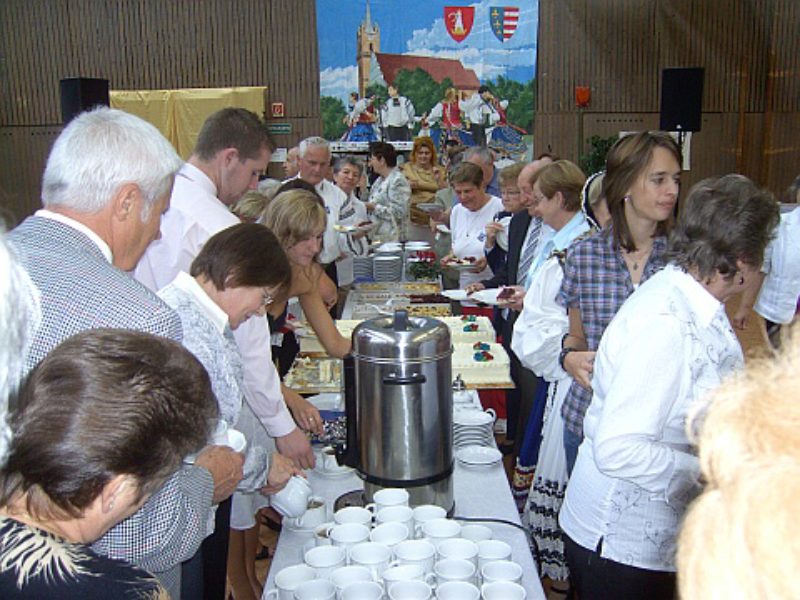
(426, 178)
(739, 538)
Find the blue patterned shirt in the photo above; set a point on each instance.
(597, 282)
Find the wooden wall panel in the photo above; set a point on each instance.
(145, 44)
(750, 51)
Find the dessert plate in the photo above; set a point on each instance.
(479, 456)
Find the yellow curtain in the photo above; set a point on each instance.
(179, 114)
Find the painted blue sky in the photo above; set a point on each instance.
(417, 27)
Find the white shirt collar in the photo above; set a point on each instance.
(192, 173)
(702, 302)
(186, 283)
(98, 241)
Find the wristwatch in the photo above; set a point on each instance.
(563, 354)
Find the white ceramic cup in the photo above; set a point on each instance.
(410, 590)
(389, 534)
(492, 550)
(353, 514)
(401, 572)
(458, 548)
(503, 590)
(388, 497)
(362, 590)
(457, 590)
(348, 535)
(325, 560)
(322, 534)
(316, 589)
(501, 570)
(476, 533)
(438, 530)
(344, 576)
(287, 580)
(316, 514)
(292, 500)
(376, 557)
(454, 569)
(396, 514)
(328, 462)
(416, 552)
(424, 513)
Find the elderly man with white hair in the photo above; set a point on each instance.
(107, 181)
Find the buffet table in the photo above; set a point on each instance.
(479, 492)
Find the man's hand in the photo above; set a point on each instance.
(516, 300)
(741, 317)
(225, 466)
(479, 265)
(305, 414)
(580, 365)
(281, 470)
(474, 287)
(295, 445)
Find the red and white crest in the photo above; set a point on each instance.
(458, 20)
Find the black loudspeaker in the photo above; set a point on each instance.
(82, 93)
(681, 99)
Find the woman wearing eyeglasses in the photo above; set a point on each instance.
(238, 273)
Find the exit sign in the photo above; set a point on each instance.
(279, 128)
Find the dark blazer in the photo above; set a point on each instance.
(81, 290)
(517, 229)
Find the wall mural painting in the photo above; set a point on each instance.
(455, 71)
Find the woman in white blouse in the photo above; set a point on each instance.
(669, 344)
(237, 274)
(537, 342)
(468, 220)
(389, 196)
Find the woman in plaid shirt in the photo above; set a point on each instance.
(641, 188)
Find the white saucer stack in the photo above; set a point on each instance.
(387, 267)
(362, 267)
(473, 428)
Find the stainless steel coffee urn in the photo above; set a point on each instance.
(399, 406)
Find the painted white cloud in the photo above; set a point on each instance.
(493, 58)
(338, 81)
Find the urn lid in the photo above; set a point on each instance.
(401, 338)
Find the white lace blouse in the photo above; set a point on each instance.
(636, 472)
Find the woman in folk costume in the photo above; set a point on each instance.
(362, 119)
(445, 121)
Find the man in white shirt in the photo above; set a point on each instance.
(314, 158)
(397, 116)
(232, 149)
(480, 112)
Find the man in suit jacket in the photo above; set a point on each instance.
(525, 233)
(105, 186)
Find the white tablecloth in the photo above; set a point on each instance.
(479, 492)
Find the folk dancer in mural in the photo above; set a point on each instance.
(503, 137)
(397, 117)
(362, 121)
(480, 113)
(445, 121)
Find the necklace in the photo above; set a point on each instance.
(634, 258)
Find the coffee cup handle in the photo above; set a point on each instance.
(273, 593)
(371, 507)
(430, 579)
(491, 412)
(298, 521)
(394, 563)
